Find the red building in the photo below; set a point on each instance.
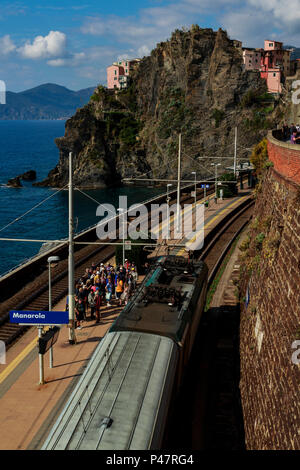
(275, 63)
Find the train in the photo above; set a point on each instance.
(122, 400)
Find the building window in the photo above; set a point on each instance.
(115, 72)
(126, 70)
(274, 74)
(115, 78)
(271, 44)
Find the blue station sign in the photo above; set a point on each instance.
(38, 318)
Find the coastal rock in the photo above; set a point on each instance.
(14, 183)
(28, 175)
(194, 84)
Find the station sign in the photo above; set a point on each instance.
(205, 186)
(38, 318)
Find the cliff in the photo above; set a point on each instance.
(193, 83)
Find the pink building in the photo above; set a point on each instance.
(273, 77)
(273, 62)
(252, 58)
(119, 72)
(276, 57)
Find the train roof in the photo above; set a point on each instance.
(119, 402)
(166, 300)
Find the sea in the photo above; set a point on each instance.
(29, 145)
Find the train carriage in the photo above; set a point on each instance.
(122, 400)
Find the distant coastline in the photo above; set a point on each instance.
(45, 102)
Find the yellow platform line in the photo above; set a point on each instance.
(184, 211)
(27, 350)
(18, 360)
(181, 252)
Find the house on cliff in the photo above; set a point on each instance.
(273, 62)
(118, 74)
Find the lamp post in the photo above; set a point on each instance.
(51, 260)
(178, 185)
(216, 179)
(235, 152)
(168, 212)
(195, 194)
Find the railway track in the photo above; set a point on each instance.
(189, 408)
(34, 295)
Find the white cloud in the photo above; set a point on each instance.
(286, 13)
(6, 45)
(45, 47)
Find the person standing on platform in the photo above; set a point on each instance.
(79, 311)
(109, 289)
(91, 302)
(119, 290)
(97, 306)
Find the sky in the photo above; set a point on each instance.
(71, 42)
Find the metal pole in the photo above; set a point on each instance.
(41, 360)
(168, 219)
(235, 152)
(71, 256)
(50, 309)
(216, 184)
(123, 217)
(195, 189)
(168, 212)
(178, 183)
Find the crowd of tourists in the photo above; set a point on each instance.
(291, 133)
(103, 285)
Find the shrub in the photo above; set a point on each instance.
(259, 156)
(259, 240)
(218, 116)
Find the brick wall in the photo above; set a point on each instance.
(286, 158)
(270, 382)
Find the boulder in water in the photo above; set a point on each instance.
(14, 183)
(28, 175)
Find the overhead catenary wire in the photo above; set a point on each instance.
(32, 209)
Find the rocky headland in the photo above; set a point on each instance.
(194, 84)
